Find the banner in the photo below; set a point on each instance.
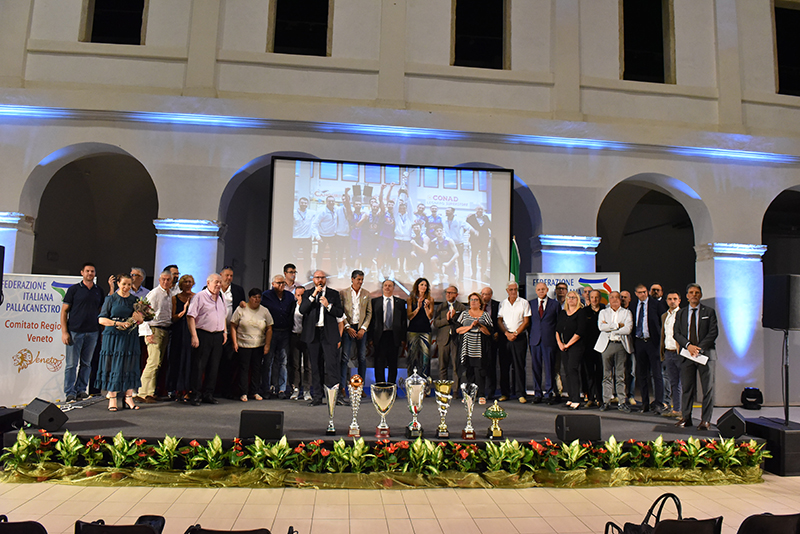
(603, 282)
(31, 351)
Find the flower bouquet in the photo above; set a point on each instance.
(143, 306)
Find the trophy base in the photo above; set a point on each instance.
(354, 433)
(442, 434)
(330, 432)
(413, 434)
(467, 434)
(494, 435)
(382, 433)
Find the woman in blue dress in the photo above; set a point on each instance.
(119, 355)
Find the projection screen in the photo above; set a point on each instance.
(448, 225)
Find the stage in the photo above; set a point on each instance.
(304, 422)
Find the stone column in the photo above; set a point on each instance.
(16, 235)
(732, 278)
(191, 244)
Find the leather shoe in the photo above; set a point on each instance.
(315, 402)
(341, 401)
(605, 407)
(537, 400)
(502, 398)
(705, 425)
(684, 423)
(554, 400)
(195, 401)
(150, 399)
(210, 400)
(523, 400)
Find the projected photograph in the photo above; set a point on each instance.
(392, 222)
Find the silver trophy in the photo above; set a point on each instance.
(355, 387)
(383, 395)
(330, 394)
(416, 388)
(469, 391)
(444, 390)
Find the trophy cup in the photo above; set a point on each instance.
(330, 394)
(469, 392)
(383, 395)
(355, 388)
(496, 414)
(416, 388)
(443, 390)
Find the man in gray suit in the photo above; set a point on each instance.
(446, 339)
(614, 343)
(696, 331)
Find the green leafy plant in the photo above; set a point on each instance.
(661, 451)
(465, 458)
(611, 454)
(270, 456)
(359, 455)
(69, 449)
(751, 454)
(235, 456)
(93, 451)
(21, 452)
(208, 456)
(125, 453)
(425, 457)
(573, 456)
(722, 454)
(688, 454)
(544, 456)
(312, 457)
(164, 453)
(640, 454)
(390, 456)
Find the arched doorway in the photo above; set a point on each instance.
(780, 231)
(97, 205)
(245, 208)
(647, 233)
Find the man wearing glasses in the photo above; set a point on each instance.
(290, 275)
(280, 304)
(446, 339)
(514, 317)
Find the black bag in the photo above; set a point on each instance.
(645, 527)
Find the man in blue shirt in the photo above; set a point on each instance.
(280, 304)
(79, 332)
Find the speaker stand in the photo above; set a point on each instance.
(785, 352)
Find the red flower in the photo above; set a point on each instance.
(442, 444)
(184, 451)
(140, 442)
(298, 449)
(391, 448)
(301, 445)
(98, 438)
(96, 447)
(237, 440)
(142, 455)
(240, 453)
(711, 445)
(403, 444)
(464, 454)
(318, 442)
(194, 443)
(325, 452)
(553, 453)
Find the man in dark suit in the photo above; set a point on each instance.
(544, 313)
(321, 308)
(696, 331)
(446, 338)
(647, 314)
(388, 331)
(492, 306)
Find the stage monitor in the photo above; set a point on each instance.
(449, 225)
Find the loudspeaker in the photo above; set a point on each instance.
(781, 302)
(43, 414)
(731, 424)
(266, 424)
(10, 419)
(582, 427)
(782, 442)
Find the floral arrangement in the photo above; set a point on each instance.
(420, 458)
(143, 306)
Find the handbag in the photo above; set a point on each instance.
(654, 513)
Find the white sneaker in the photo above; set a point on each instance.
(295, 394)
(307, 396)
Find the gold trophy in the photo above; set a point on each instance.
(355, 387)
(383, 395)
(496, 414)
(443, 390)
(469, 393)
(330, 394)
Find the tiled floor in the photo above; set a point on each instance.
(428, 511)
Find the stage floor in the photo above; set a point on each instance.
(303, 422)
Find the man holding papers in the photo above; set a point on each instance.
(695, 332)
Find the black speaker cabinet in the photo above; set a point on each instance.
(731, 424)
(268, 425)
(781, 302)
(782, 441)
(584, 427)
(43, 414)
(10, 418)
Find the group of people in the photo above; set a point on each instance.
(387, 239)
(287, 341)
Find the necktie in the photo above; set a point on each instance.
(640, 320)
(387, 323)
(541, 308)
(693, 327)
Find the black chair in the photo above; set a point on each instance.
(770, 524)
(146, 524)
(20, 527)
(695, 526)
(197, 529)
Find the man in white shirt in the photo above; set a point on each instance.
(454, 230)
(302, 232)
(514, 317)
(357, 306)
(669, 353)
(156, 336)
(614, 343)
(299, 369)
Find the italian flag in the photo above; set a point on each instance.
(513, 267)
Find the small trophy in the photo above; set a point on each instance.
(330, 394)
(443, 389)
(355, 388)
(416, 388)
(383, 395)
(469, 391)
(496, 414)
